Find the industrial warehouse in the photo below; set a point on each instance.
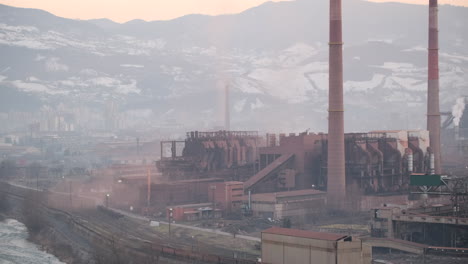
(227, 195)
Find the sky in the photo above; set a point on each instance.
(126, 10)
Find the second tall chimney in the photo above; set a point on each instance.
(336, 180)
(433, 109)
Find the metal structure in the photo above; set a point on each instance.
(336, 188)
(376, 162)
(230, 154)
(433, 109)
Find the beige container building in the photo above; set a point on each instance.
(287, 246)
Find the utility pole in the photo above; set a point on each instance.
(148, 197)
(138, 146)
(70, 193)
(37, 178)
(213, 188)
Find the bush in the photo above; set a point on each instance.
(33, 217)
(4, 203)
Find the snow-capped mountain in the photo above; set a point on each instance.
(274, 58)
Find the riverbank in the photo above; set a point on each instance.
(16, 248)
(50, 236)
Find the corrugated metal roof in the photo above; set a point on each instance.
(304, 234)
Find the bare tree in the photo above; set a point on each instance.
(33, 217)
(4, 202)
(8, 169)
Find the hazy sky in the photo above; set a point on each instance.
(125, 10)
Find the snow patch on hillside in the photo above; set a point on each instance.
(53, 65)
(376, 81)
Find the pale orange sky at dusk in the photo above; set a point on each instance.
(125, 10)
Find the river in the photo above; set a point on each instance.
(15, 248)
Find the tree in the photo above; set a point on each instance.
(4, 203)
(33, 217)
(7, 169)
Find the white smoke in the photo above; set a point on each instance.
(457, 110)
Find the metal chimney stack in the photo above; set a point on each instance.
(336, 183)
(433, 109)
(227, 117)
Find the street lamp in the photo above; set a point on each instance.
(170, 220)
(194, 243)
(107, 200)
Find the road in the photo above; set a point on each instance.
(218, 232)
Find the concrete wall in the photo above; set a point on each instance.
(298, 211)
(281, 249)
(350, 252)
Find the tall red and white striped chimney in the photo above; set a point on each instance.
(336, 182)
(433, 109)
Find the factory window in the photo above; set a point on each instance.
(238, 189)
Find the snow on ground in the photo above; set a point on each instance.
(319, 81)
(247, 85)
(132, 66)
(296, 54)
(121, 87)
(411, 84)
(128, 88)
(376, 81)
(397, 66)
(454, 57)
(35, 87)
(53, 65)
(257, 105)
(239, 105)
(288, 84)
(176, 72)
(416, 48)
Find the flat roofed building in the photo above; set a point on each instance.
(284, 246)
(299, 205)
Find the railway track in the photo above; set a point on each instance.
(136, 243)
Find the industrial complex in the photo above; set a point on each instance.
(409, 186)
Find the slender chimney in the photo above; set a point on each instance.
(433, 110)
(227, 118)
(336, 183)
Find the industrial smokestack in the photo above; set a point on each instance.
(227, 117)
(433, 109)
(336, 183)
